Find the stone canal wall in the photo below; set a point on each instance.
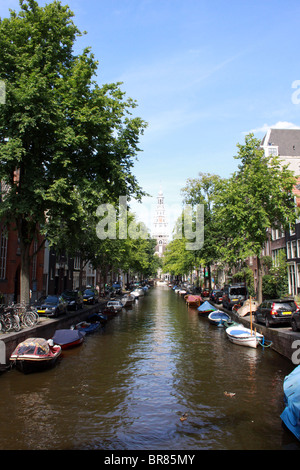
(45, 328)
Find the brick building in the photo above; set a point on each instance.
(10, 263)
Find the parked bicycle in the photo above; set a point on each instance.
(15, 316)
(9, 319)
(27, 314)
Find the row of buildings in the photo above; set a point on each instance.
(52, 273)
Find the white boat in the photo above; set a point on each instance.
(115, 304)
(138, 293)
(127, 300)
(238, 334)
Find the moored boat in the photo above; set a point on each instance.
(193, 300)
(206, 308)
(115, 304)
(138, 293)
(68, 338)
(230, 322)
(86, 327)
(248, 307)
(127, 300)
(35, 355)
(242, 336)
(97, 317)
(218, 318)
(291, 414)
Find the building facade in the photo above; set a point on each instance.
(285, 143)
(10, 266)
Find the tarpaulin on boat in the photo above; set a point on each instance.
(67, 336)
(205, 307)
(291, 414)
(37, 346)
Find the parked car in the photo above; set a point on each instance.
(74, 299)
(52, 306)
(295, 320)
(216, 296)
(233, 295)
(275, 311)
(90, 296)
(205, 292)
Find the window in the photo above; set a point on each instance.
(3, 255)
(298, 275)
(77, 262)
(292, 279)
(288, 247)
(273, 151)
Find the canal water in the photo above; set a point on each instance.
(128, 385)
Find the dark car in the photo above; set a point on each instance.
(275, 311)
(205, 292)
(295, 320)
(52, 306)
(90, 296)
(216, 296)
(74, 299)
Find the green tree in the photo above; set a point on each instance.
(258, 196)
(178, 260)
(275, 283)
(202, 190)
(61, 134)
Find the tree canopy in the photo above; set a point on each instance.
(63, 137)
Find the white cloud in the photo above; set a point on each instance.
(277, 125)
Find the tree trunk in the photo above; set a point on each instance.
(26, 231)
(259, 280)
(25, 273)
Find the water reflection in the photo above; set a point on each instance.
(128, 386)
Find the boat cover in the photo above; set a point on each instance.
(206, 307)
(291, 414)
(37, 346)
(218, 314)
(245, 308)
(66, 336)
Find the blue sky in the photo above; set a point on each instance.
(204, 74)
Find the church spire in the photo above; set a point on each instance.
(160, 229)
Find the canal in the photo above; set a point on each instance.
(157, 376)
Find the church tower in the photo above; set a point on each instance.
(160, 226)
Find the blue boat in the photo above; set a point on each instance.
(291, 414)
(86, 327)
(206, 308)
(218, 318)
